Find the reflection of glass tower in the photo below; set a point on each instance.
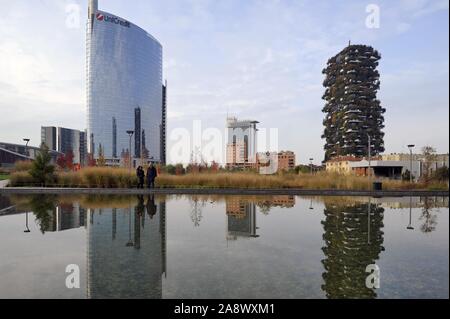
(65, 217)
(117, 269)
(241, 219)
(353, 240)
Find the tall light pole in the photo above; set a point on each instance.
(26, 140)
(369, 206)
(409, 227)
(369, 153)
(26, 224)
(311, 164)
(130, 242)
(130, 133)
(410, 146)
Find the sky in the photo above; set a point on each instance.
(254, 59)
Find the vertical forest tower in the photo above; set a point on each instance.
(353, 112)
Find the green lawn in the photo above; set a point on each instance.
(3, 177)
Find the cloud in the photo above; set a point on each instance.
(255, 59)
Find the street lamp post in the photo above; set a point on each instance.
(410, 146)
(26, 140)
(409, 227)
(311, 164)
(369, 206)
(369, 153)
(26, 224)
(130, 133)
(130, 242)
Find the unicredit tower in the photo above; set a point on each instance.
(125, 91)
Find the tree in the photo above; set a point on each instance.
(61, 161)
(171, 169)
(125, 155)
(43, 207)
(91, 161)
(441, 174)
(101, 161)
(69, 160)
(304, 169)
(215, 167)
(179, 169)
(42, 170)
(430, 219)
(429, 154)
(352, 109)
(406, 176)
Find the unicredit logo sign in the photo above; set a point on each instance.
(106, 18)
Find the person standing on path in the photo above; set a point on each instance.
(151, 176)
(141, 176)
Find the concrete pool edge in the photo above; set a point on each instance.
(221, 191)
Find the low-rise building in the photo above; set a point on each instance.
(286, 161)
(380, 168)
(273, 162)
(11, 153)
(341, 164)
(389, 165)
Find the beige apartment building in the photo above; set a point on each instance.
(341, 164)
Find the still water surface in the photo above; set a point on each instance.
(223, 247)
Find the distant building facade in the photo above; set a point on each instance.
(389, 165)
(286, 161)
(49, 137)
(341, 164)
(352, 109)
(65, 140)
(242, 143)
(282, 161)
(163, 128)
(125, 90)
(11, 153)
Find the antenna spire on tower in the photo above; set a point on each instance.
(93, 7)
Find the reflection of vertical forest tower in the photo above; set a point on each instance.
(352, 109)
(350, 246)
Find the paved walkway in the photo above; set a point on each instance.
(4, 183)
(221, 191)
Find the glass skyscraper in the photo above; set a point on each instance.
(124, 88)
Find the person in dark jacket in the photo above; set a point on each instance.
(151, 176)
(141, 176)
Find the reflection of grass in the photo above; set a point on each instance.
(27, 202)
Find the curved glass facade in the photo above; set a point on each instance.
(124, 88)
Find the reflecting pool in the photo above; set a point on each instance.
(223, 247)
